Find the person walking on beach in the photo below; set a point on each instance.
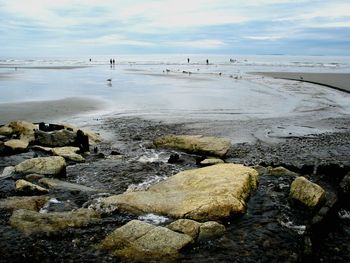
(110, 62)
(188, 60)
(207, 61)
(113, 61)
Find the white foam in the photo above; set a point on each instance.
(146, 184)
(153, 219)
(300, 229)
(344, 214)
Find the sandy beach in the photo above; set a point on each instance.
(56, 110)
(340, 81)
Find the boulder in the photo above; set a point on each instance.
(34, 203)
(210, 229)
(8, 172)
(208, 193)
(24, 129)
(211, 161)
(196, 230)
(69, 153)
(27, 187)
(94, 137)
(30, 222)
(6, 130)
(197, 144)
(306, 192)
(186, 226)
(15, 145)
(279, 171)
(138, 240)
(53, 165)
(62, 185)
(58, 138)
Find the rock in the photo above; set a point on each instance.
(196, 230)
(58, 138)
(24, 129)
(82, 141)
(94, 138)
(34, 203)
(211, 161)
(61, 185)
(30, 222)
(280, 171)
(186, 226)
(344, 186)
(33, 177)
(197, 144)
(17, 145)
(42, 148)
(208, 193)
(306, 192)
(7, 172)
(6, 130)
(69, 153)
(138, 240)
(27, 187)
(210, 229)
(53, 165)
(174, 158)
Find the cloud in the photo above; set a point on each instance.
(114, 39)
(199, 44)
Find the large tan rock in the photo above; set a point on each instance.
(17, 145)
(24, 129)
(141, 241)
(210, 229)
(6, 130)
(306, 192)
(34, 203)
(30, 222)
(195, 144)
(53, 165)
(208, 193)
(27, 187)
(69, 153)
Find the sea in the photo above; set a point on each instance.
(174, 85)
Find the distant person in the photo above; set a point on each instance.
(188, 60)
(110, 61)
(207, 61)
(90, 59)
(113, 62)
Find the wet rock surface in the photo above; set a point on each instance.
(272, 230)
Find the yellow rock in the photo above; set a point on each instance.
(68, 152)
(208, 193)
(17, 145)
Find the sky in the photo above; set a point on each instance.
(101, 27)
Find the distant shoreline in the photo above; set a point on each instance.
(339, 81)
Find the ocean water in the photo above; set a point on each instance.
(161, 85)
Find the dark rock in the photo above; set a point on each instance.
(82, 141)
(115, 153)
(56, 138)
(50, 127)
(174, 158)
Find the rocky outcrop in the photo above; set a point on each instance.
(58, 138)
(24, 129)
(54, 165)
(94, 138)
(15, 145)
(34, 203)
(24, 186)
(30, 222)
(211, 161)
(196, 230)
(61, 185)
(197, 144)
(138, 240)
(306, 192)
(69, 153)
(208, 193)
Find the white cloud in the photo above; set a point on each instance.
(114, 39)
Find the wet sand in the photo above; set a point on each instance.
(339, 81)
(48, 110)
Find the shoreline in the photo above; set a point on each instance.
(49, 110)
(339, 81)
